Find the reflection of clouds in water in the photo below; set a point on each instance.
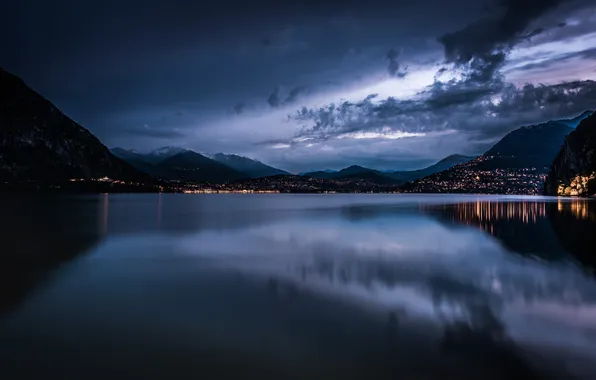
(392, 235)
(451, 276)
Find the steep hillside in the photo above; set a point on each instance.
(517, 164)
(573, 170)
(38, 143)
(527, 147)
(444, 164)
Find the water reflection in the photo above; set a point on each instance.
(302, 287)
(574, 224)
(104, 214)
(40, 233)
(549, 229)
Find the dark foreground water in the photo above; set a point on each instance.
(297, 286)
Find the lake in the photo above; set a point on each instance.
(167, 286)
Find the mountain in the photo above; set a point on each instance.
(126, 153)
(378, 176)
(517, 164)
(137, 160)
(354, 172)
(180, 164)
(158, 155)
(252, 168)
(448, 162)
(38, 143)
(573, 171)
(153, 157)
(527, 147)
(444, 164)
(350, 171)
(192, 166)
(321, 174)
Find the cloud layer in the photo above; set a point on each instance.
(313, 84)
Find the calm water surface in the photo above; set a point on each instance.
(297, 286)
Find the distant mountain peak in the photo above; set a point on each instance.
(188, 153)
(352, 167)
(168, 151)
(253, 168)
(118, 149)
(231, 156)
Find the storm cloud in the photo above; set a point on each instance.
(395, 70)
(471, 111)
(308, 84)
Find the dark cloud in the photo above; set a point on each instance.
(481, 47)
(483, 38)
(453, 93)
(472, 111)
(114, 64)
(394, 68)
(273, 100)
(478, 102)
(295, 93)
(239, 108)
(277, 99)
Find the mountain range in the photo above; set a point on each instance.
(174, 163)
(39, 144)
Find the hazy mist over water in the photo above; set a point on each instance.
(297, 286)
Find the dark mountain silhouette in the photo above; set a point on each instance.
(158, 155)
(444, 164)
(185, 165)
(354, 172)
(38, 143)
(153, 157)
(137, 160)
(573, 170)
(192, 166)
(250, 167)
(157, 164)
(359, 172)
(527, 147)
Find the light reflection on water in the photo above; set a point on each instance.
(300, 286)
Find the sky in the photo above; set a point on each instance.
(307, 85)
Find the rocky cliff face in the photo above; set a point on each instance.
(573, 172)
(38, 143)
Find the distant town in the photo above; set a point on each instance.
(472, 178)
